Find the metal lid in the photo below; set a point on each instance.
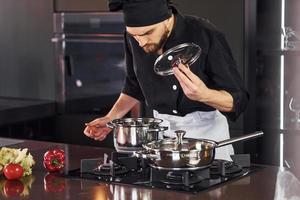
(138, 122)
(186, 53)
(180, 144)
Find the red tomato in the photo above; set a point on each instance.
(13, 188)
(13, 171)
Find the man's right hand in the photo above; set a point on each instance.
(97, 128)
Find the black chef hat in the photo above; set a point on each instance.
(142, 12)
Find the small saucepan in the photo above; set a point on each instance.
(131, 133)
(187, 153)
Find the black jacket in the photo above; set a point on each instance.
(216, 67)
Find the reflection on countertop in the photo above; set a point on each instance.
(258, 185)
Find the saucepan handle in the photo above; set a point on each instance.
(241, 138)
(110, 125)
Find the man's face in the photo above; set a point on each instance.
(150, 38)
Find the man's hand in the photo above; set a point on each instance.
(195, 89)
(97, 128)
(192, 86)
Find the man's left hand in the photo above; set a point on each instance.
(192, 86)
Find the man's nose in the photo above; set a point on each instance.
(141, 40)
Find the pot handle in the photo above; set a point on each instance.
(145, 154)
(110, 125)
(179, 136)
(161, 128)
(241, 138)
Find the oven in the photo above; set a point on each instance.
(89, 55)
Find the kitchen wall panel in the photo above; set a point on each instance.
(26, 53)
(277, 80)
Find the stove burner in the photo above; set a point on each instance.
(224, 168)
(107, 170)
(175, 178)
(183, 177)
(125, 169)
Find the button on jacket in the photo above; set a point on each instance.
(215, 67)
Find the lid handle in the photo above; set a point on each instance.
(179, 136)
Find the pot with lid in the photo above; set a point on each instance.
(131, 133)
(185, 153)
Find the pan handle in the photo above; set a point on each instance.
(241, 138)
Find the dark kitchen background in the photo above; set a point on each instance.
(62, 64)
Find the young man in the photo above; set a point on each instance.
(193, 98)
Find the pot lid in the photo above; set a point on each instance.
(130, 122)
(186, 53)
(180, 144)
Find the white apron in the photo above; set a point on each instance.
(200, 125)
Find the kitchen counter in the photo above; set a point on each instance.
(40, 185)
(13, 110)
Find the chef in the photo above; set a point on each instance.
(197, 98)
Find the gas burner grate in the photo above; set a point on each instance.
(108, 170)
(124, 169)
(176, 178)
(224, 168)
(186, 178)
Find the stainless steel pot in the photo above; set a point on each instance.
(131, 133)
(180, 153)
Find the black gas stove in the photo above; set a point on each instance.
(124, 168)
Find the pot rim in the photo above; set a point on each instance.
(148, 147)
(126, 122)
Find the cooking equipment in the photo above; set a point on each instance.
(140, 174)
(186, 53)
(131, 133)
(185, 154)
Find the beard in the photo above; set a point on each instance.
(154, 47)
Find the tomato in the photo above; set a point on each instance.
(13, 171)
(13, 188)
